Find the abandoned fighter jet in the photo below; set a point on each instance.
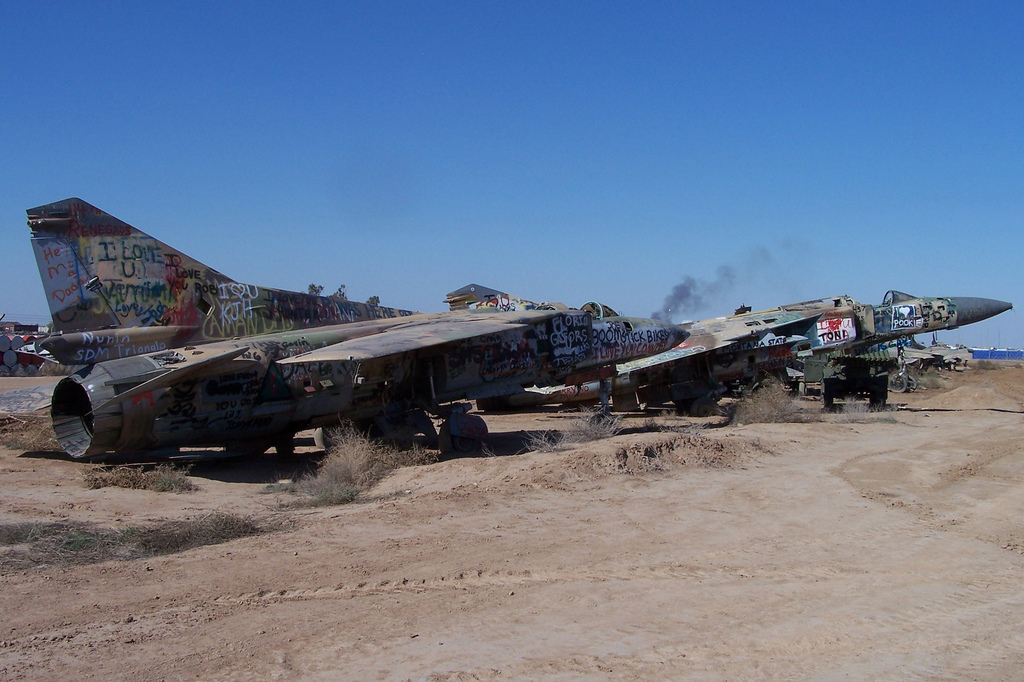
(741, 348)
(939, 355)
(179, 355)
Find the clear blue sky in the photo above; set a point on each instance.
(563, 151)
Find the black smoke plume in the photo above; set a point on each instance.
(692, 295)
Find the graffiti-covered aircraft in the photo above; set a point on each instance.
(741, 348)
(939, 355)
(178, 355)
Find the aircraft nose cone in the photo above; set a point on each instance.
(51, 344)
(970, 309)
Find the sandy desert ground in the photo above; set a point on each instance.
(880, 546)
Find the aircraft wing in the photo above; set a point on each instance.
(767, 328)
(660, 359)
(404, 338)
(183, 368)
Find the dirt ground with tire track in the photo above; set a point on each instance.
(866, 546)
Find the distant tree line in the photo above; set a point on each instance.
(339, 295)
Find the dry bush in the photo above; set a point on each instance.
(61, 544)
(853, 411)
(588, 425)
(639, 459)
(67, 544)
(70, 544)
(770, 404)
(681, 450)
(163, 478)
(931, 380)
(651, 425)
(177, 536)
(167, 478)
(353, 464)
(987, 365)
(133, 478)
(19, 533)
(591, 425)
(28, 434)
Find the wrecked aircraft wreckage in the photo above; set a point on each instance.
(740, 349)
(180, 355)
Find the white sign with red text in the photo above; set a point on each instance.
(836, 330)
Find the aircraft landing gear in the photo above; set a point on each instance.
(605, 396)
(702, 407)
(448, 443)
(284, 444)
(462, 433)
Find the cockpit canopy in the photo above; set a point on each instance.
(892, 297)
(598, 310)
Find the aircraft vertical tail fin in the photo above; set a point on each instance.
(99, 272)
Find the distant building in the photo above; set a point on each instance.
(17, 328)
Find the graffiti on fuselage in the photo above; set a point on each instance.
(737, 366)
(570, 339)
(767, 340)
(101, 273)
(913, 318)
(898, 319)
(494, 356)
(112, 345)
(226, 403)
(618, 339)
(905, 318)
(835, 331)
(554, 345)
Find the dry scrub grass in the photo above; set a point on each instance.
(773, 404)
(932, 380)
(163, 478)
(353, 465)
(589, 425)
(852, 411)
(177, 536)
(28, 434)
(682, 450)
(70, 544)
(651, 425)
(770, 404)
